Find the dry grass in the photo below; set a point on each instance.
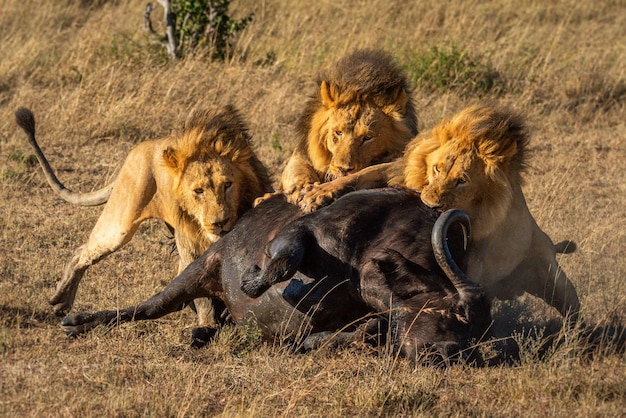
(98, 87)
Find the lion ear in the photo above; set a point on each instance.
(171, 158)
(497, 154)
(397, 103)
(329, 95)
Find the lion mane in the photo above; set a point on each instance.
(361, 114)
(480, 145)
(198, 181)
(209, 136)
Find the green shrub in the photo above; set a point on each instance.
(448, 69)
(206, 24)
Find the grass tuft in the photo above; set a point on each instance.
(450, 70)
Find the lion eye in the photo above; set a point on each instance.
(227, 185)
(461, 180)
(366, 138)
(338, 133)
(435, 170)
(198, 190)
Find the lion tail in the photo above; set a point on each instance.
(26, 120)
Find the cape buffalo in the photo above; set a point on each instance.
(361, 266)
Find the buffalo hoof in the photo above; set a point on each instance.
(82, 323)
(201, 336)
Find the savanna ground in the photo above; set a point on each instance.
(98, 86)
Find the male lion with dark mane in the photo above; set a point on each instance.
(475, 162)
(198, 182)
(361, 114)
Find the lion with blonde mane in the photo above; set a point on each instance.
(198, 182)
(361, 114)
(474, 162)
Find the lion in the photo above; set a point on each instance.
(361, 114)
(474, 162)
(198, 182)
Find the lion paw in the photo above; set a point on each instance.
(316, 198)
(201, 336)
(60, 308)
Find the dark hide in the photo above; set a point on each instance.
(361, 266)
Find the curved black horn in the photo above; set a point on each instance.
(439, 238)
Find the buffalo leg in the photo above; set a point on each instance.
(373, 331)
(199, 279)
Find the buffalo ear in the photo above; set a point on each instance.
(329, 95)
(171, 158)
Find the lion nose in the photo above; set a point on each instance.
(220, 224)
(345, 170)
(436, 206)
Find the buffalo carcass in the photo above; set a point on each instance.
(362, 265)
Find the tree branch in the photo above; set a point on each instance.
(170, 35)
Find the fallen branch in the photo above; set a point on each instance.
(170, 35)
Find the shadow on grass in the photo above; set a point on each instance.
(25, 317)
(518, 336)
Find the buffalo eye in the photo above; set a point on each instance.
(198, 190)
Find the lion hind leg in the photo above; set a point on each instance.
(115, 227)
(557, 290)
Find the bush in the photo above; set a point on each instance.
(206, 24)
(448, 69)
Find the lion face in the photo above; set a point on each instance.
(471, 162)
(215, 174)
(210, 191)
(454, 179)
(356, 137)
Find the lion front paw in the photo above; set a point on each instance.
(316, 198)
(201, 336)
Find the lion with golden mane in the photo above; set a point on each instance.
(361, 114)
(474, 162)
(198, 182)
